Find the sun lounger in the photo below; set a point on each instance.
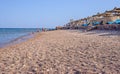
(117, 21)
(85, 25)
(95, 23)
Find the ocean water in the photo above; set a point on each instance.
(7, 35)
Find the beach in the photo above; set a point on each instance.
(64, 52)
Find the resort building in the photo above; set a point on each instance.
(108, 17)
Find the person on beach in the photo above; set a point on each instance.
(43, 30)
(38, 30)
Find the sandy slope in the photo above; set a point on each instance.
(63, 52)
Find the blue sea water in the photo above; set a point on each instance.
(9, 34)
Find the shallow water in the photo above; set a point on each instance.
(15, 34)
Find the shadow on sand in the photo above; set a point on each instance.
(104, 33)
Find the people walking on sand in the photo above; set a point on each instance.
(38, 30)
(44, 30)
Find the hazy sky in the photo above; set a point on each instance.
(49, 13)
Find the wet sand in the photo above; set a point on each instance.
(63, 52)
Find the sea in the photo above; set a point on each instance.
(15, 35)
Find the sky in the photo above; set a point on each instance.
(49, 13)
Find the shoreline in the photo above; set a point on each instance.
(63, 51)
(18, 40)
(24, 38)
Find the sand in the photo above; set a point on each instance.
(64, 52)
